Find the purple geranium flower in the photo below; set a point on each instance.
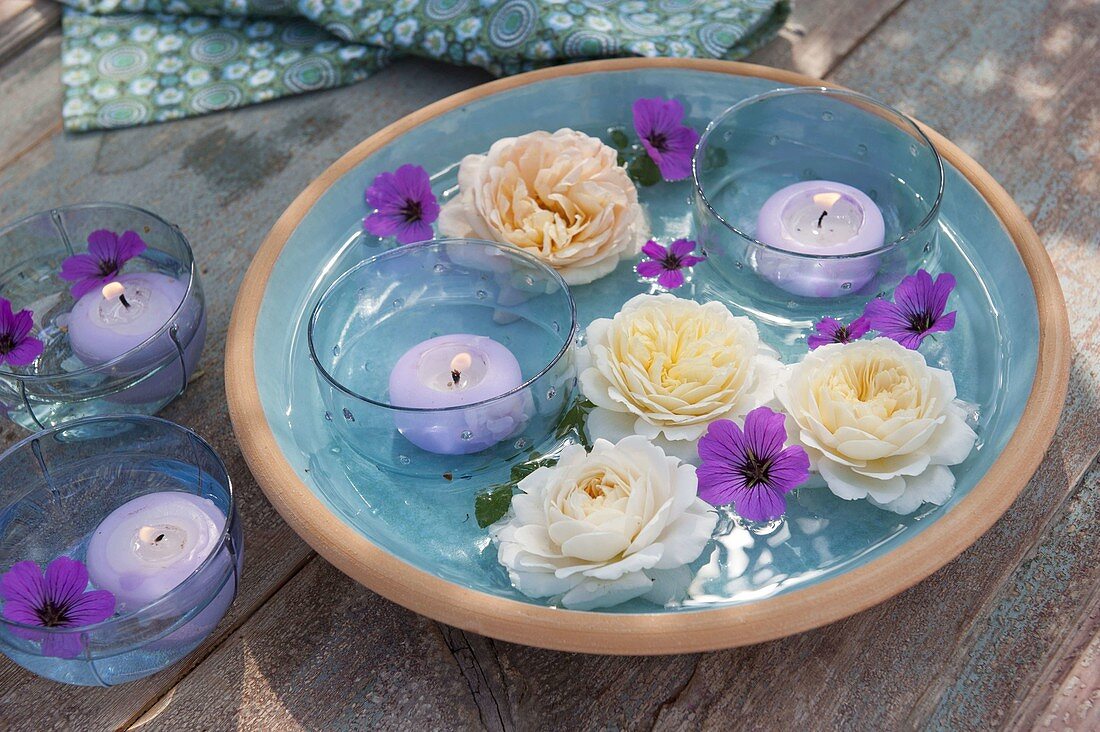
(404, 204)
(107, 252)
(750, 468)
(17, 346)
(917, 310)
(665, 264)
(669, 142)
(831, 330)
(56, 600)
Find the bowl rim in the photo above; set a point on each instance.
(107, 365)
(397, 253)
(231, 522)
(848, 96)
(651, 633)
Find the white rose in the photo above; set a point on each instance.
(561, 197)
(877, 422)
(665, 368)
(605, 527)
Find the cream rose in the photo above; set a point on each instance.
(877, 422)
(561, 197)
(665, 367)
(605, 527)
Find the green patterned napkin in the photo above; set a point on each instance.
(132, 62)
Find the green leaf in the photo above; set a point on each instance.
(491, 505)
(534, 462)
(575, 420)
(644, 170)
(715, 157)
(619, 139)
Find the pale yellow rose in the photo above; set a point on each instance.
(665, 368)
(605, 527)
(561, 197)
(877, 422)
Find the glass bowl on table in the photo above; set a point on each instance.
(147, 509)
(125, 339)
(812, 200)
(445, 358)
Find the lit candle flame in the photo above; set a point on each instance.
(461, 362)
(111, 290)
(149, 535)
(826, 199)
(458, 363)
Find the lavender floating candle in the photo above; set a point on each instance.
(128, 313)
(436, 376)
(819, 218)
(149, 545)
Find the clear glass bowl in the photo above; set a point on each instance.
(61, 385)
(391, 397)
(58, 485)
(768, 142)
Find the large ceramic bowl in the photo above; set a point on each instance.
(417, 543)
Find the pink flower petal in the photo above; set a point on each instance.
(681, 248)
(103, 245)
(670, 279)
(66, 580)
(653, 250)
(130, 245)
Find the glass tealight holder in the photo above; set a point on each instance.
(59, 486)
(810, 201)
(131, 360)
(445, 358)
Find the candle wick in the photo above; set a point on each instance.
(160, 537)
(821, 218)
(455, 376)
(125, 304)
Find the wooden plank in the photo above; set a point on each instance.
(868, 669)
(31, 96)
(818, 35)
(22, 22)
(361, 663)
(1075, 702)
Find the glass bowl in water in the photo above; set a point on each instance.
(445, 358)
(61, 385)
(763, 144)
(58, 485)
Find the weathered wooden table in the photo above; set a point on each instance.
(1007, 635)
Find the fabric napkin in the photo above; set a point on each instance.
(133, 62)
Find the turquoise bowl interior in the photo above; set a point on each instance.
(431, 526)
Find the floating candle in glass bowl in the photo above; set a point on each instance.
(804, 194)
(106, 323)
(448, 357)
(453, 371)
(820, 218)
(149, 508)
(105, 351)
(149, 545)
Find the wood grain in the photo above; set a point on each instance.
(31, 97)
(819, 35)
(1044, 153)
(366, 664)
(22, 22)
